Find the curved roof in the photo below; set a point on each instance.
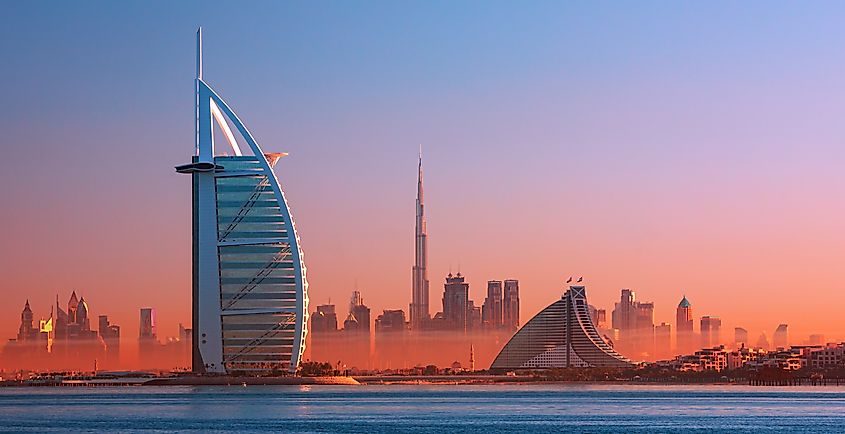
(684, 302)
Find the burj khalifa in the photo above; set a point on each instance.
(419, 292)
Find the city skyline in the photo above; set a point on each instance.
(709, 187)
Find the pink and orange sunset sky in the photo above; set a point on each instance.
(670, 148)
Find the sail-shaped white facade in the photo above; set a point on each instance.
(250, 293)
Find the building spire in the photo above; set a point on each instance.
(420, 180)
(199, 53)
(419, 301)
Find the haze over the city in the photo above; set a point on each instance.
(693, 150)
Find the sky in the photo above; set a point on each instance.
(674, 148)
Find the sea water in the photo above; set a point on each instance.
(424, 408)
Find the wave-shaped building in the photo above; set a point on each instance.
(561, 335)
(250, 294)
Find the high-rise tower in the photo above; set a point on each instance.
(710, 331)
(456, 303)
(781, 336)
(27, 332)
(684, 326)
(510, 305)
(250, 294)
(419, 291)
(491, 311)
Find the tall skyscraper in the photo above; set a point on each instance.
(61, 322)
(110, 334)
(27, 330)
(762, 342)
(645, 316)
(391, 321)
(599, 317)
(72, 305)
(78, 324)
(740, 337)
(781, 336)
(816, 339)
(249, 277)
(663, 340)
(419, 311)
(359, 312)
(148, 344)
(621, 315)
(456, 304)
(711, 327)
(510, 305)
(491, 310)
(684, 326)
(82, 316)
(147, 329)
(324, 320)
(635, 322)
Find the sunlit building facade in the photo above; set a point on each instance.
(561, 335)
(249, 287)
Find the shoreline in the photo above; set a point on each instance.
(375, 380)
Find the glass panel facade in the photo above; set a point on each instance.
(257, 272)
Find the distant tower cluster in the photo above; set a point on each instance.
(66, 336)
(500, 309)
(635, 322)
(351, 343)
(325, 318)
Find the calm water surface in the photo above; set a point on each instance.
(437, 408)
